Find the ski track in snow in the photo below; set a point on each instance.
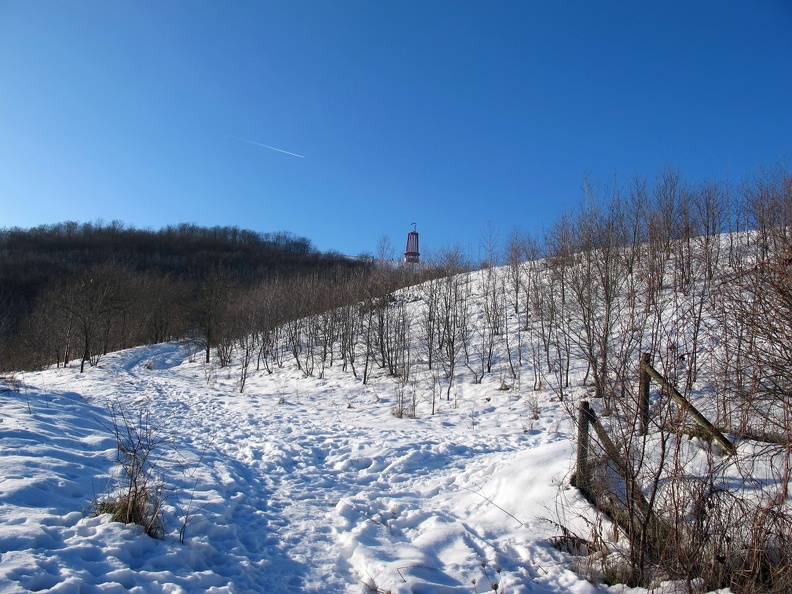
(297, 485)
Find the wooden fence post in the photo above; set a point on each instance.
(643, 404)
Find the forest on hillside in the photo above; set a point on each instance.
(74, 290)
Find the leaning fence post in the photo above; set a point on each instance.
(582, 475)
(643, 404)
(691, 410)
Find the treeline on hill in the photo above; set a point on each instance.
(76, 291)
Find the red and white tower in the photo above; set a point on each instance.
(411, 253)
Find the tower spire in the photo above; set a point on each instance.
(411, 253)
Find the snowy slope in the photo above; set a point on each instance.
(297, 485)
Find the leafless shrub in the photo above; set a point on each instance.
(137, 495)
(534, 409)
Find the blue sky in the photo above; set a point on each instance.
(460, 116)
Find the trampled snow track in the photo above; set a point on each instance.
(309, 485)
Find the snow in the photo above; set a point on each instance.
(299, 484)
(325, 492)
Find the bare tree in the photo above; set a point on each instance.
(490, 243)
(246, 313)
(454, 324)
(552, 305)
(91, 302)
(666, 196)
(211, 299)
(595, 281)
(710, 211)
(429, 321)
(385, 249)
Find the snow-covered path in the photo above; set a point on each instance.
(297, 485)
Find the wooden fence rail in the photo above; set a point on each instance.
(584, 478)
(647, 371)
(584, 475)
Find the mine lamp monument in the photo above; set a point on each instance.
(411, 253)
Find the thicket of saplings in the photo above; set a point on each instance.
(645, 268)
(697, 275)
(648, 269)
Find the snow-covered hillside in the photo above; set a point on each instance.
(296, 485)
(300, 483)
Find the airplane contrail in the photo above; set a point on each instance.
(272, 148)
